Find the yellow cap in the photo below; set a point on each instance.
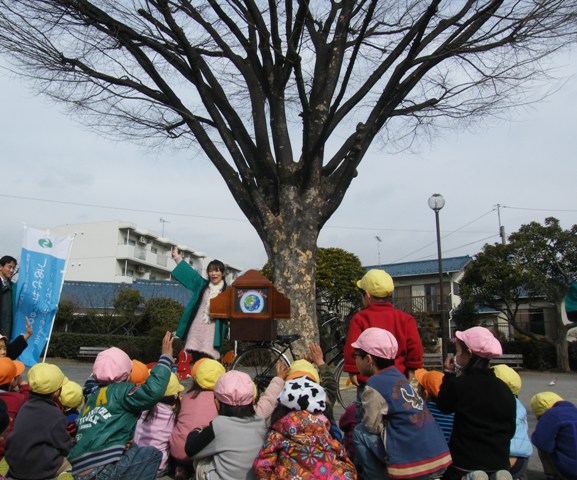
(377, 283)
(207, 373)
(174, 387)
(195, 366)
(45, 378)
(506, 374)
(541, 402)
(303, 368)
(71, 395)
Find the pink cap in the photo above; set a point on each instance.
(481, 342)
(112, 366)
(235, 388)
(378, 342)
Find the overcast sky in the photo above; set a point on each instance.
(526, 164)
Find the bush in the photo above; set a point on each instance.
(536, 355)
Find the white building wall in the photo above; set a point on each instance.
(117, 251)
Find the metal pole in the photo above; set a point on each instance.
(444, 329)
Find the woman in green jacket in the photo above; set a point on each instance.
(202, 335)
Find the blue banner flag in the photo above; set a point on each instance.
(38, 288)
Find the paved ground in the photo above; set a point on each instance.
(533, 382)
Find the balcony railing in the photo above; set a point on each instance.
(162, 260)
(140, 253)
(426, 304)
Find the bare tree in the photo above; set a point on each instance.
(270, 90)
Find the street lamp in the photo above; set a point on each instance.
(436, 202)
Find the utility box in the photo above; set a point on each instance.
(252, 305)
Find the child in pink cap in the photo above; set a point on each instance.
(398, 437)
(227, 447)
(484, 408)
(104, 447)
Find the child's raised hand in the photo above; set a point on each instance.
(167, 344)
(29, 330)
(282, 369)
(316, 354)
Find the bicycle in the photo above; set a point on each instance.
(259, 359)
(334, 356)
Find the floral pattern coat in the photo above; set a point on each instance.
(300, 447)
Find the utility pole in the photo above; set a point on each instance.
(378, 239)
(501, 227)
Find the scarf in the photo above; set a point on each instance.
(213, 291)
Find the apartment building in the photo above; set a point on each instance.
(120, 252)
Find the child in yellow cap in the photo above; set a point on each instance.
(197, 410)
(71, 400)
(555, 435)
(520, 449)
(155, 426)
(39, 443)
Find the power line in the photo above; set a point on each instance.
(541, 209)
(138, 210)
(206, 217)
(460, 246)
(446, 235)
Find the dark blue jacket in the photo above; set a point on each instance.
(556, 433)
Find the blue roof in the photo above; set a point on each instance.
(423, 267)
(102, 294)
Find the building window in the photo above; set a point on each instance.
(131, 242)
(154, 249)
(130, 273)
(457, 288)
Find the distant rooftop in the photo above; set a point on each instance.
(423, 267)
(102, 294)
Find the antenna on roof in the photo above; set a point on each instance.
(163, 221)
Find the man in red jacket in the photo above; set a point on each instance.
(377, 289)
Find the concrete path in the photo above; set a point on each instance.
(533, 382)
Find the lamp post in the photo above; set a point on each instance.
(436, 203)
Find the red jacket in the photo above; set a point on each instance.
(13, 400)
(400, 324)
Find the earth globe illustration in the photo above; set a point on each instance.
(251, 302)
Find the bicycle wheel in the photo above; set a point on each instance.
(260, 364)
(347, 392)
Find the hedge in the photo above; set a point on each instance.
(536, 355)
(145, 349)
(540, 355)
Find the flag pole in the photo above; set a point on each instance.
(59, 293)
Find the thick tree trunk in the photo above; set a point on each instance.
(561, 348)
(561, 345)
(291, 244)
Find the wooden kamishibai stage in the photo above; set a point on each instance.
(252, 305)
